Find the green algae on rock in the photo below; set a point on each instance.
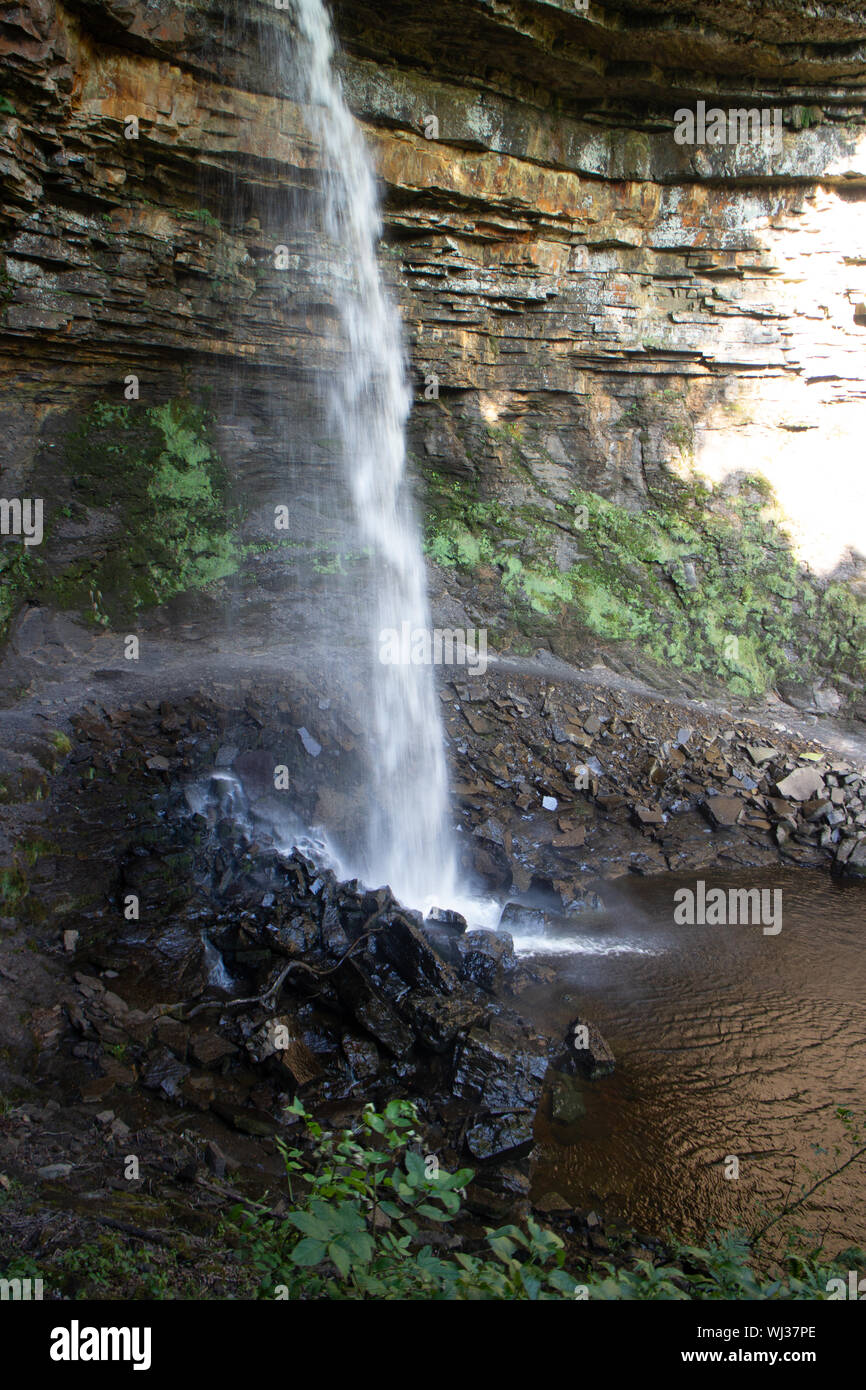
(700, 578)
(153, 476)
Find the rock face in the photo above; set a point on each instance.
(592, 309)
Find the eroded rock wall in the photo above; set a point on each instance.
(593, 310)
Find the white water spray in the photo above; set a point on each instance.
(409, 843)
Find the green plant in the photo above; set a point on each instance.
(721, 1270)
(205, 216)
(354, 1233)
(13, 885)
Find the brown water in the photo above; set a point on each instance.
(728, 1042)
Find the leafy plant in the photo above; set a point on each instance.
(354, 1230)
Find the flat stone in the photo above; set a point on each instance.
(310, 744)
(802, 784)
(208, 1049)
(571, 839)
(761, 753)
(552, 1202)
(724, 811)
(52, 1172)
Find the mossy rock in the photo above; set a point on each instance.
(154, 476)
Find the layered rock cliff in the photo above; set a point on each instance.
(638, 363)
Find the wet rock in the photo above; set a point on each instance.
(362, 1054)
(173, 1035)
(298, 936)
(334, 939)
(215, 1159)
(244, 1120)
(444, 930)
(198, 1090)
(586, 1051)
(437, 1022)
(567, 1105)
(856, 861)
(552, 1202)
(487, 959)
(209, 1049)
(164, 1072)
(372, 1011)
(404, 945)
(497, 1136)
(502, 1069)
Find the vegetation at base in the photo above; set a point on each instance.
(360, 1204)
(699, 578)
(353, 1233)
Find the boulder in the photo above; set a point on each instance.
(436, 1022)
(403, 944)
(487, 959)
(502, 1069)
(496, 1136)
(586, 1051)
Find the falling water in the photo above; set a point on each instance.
(368, 401)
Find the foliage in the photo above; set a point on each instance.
(702, 579)
(353, 1233)
(354, 1230)
(722, 1269)
(205, 216)
(155, 468)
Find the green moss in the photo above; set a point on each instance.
(157, 470)
(699, 579)
(203, 215)
(13, 886)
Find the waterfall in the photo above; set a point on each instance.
(368, 401)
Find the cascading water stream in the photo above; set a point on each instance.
(368, 401)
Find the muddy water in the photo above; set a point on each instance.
(728, 1042)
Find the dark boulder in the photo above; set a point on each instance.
(487, 959)
(586, 1051)
(497, 1136)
